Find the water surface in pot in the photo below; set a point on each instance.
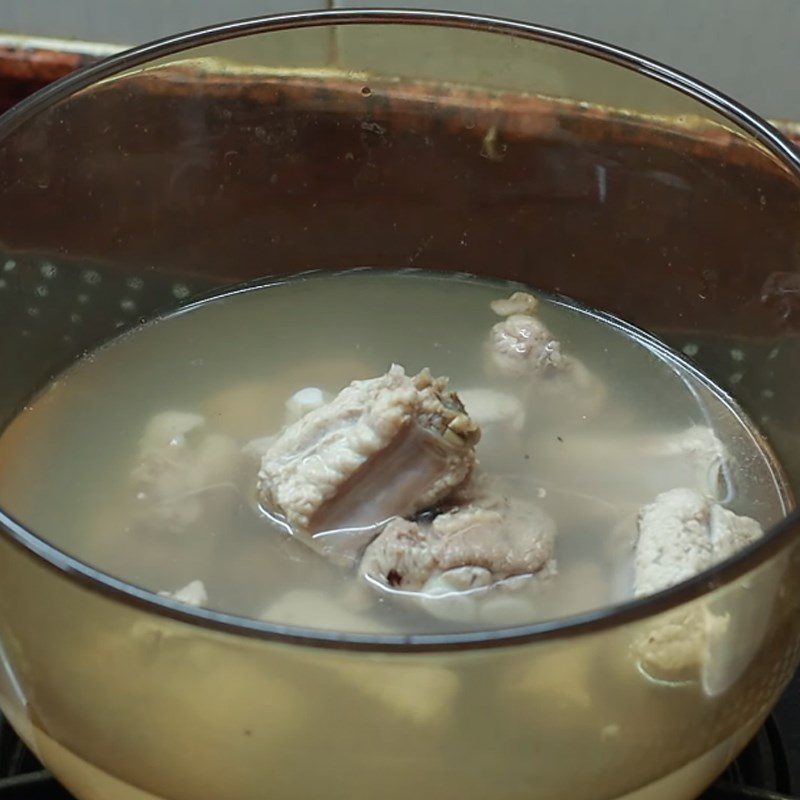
(143, 458)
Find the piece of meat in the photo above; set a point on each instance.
(465, 565)
(193, 594)
(713, 641)
(403, 555)
(297, 406)
(470, 547)
(679, 649)
(506, 538)
(516, 303)
(304, 400)
(179, 469)
(383, 448)
(683, 533)
(490, 408)
(521, 348)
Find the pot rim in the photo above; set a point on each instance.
(773, 541)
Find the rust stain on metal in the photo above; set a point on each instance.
(24, 70)
(410, 173)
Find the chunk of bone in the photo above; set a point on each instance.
(383, 448)
(180, 465)
(681, 534)
(521, 348)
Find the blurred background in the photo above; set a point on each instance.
(747, 49)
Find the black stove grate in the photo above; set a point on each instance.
(760, 773)
(21, 775)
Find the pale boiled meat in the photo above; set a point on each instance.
(466, 565)
(180, 470)
(521, 348)
(678, 649)
(472, 546)
(304, 400)
(385, 447)
(681, 534)
(193, 594)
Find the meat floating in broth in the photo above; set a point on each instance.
(286, 454)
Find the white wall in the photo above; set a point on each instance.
(749, 49)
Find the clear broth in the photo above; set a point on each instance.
(65, 462)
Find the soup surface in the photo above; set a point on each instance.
(587, 457)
